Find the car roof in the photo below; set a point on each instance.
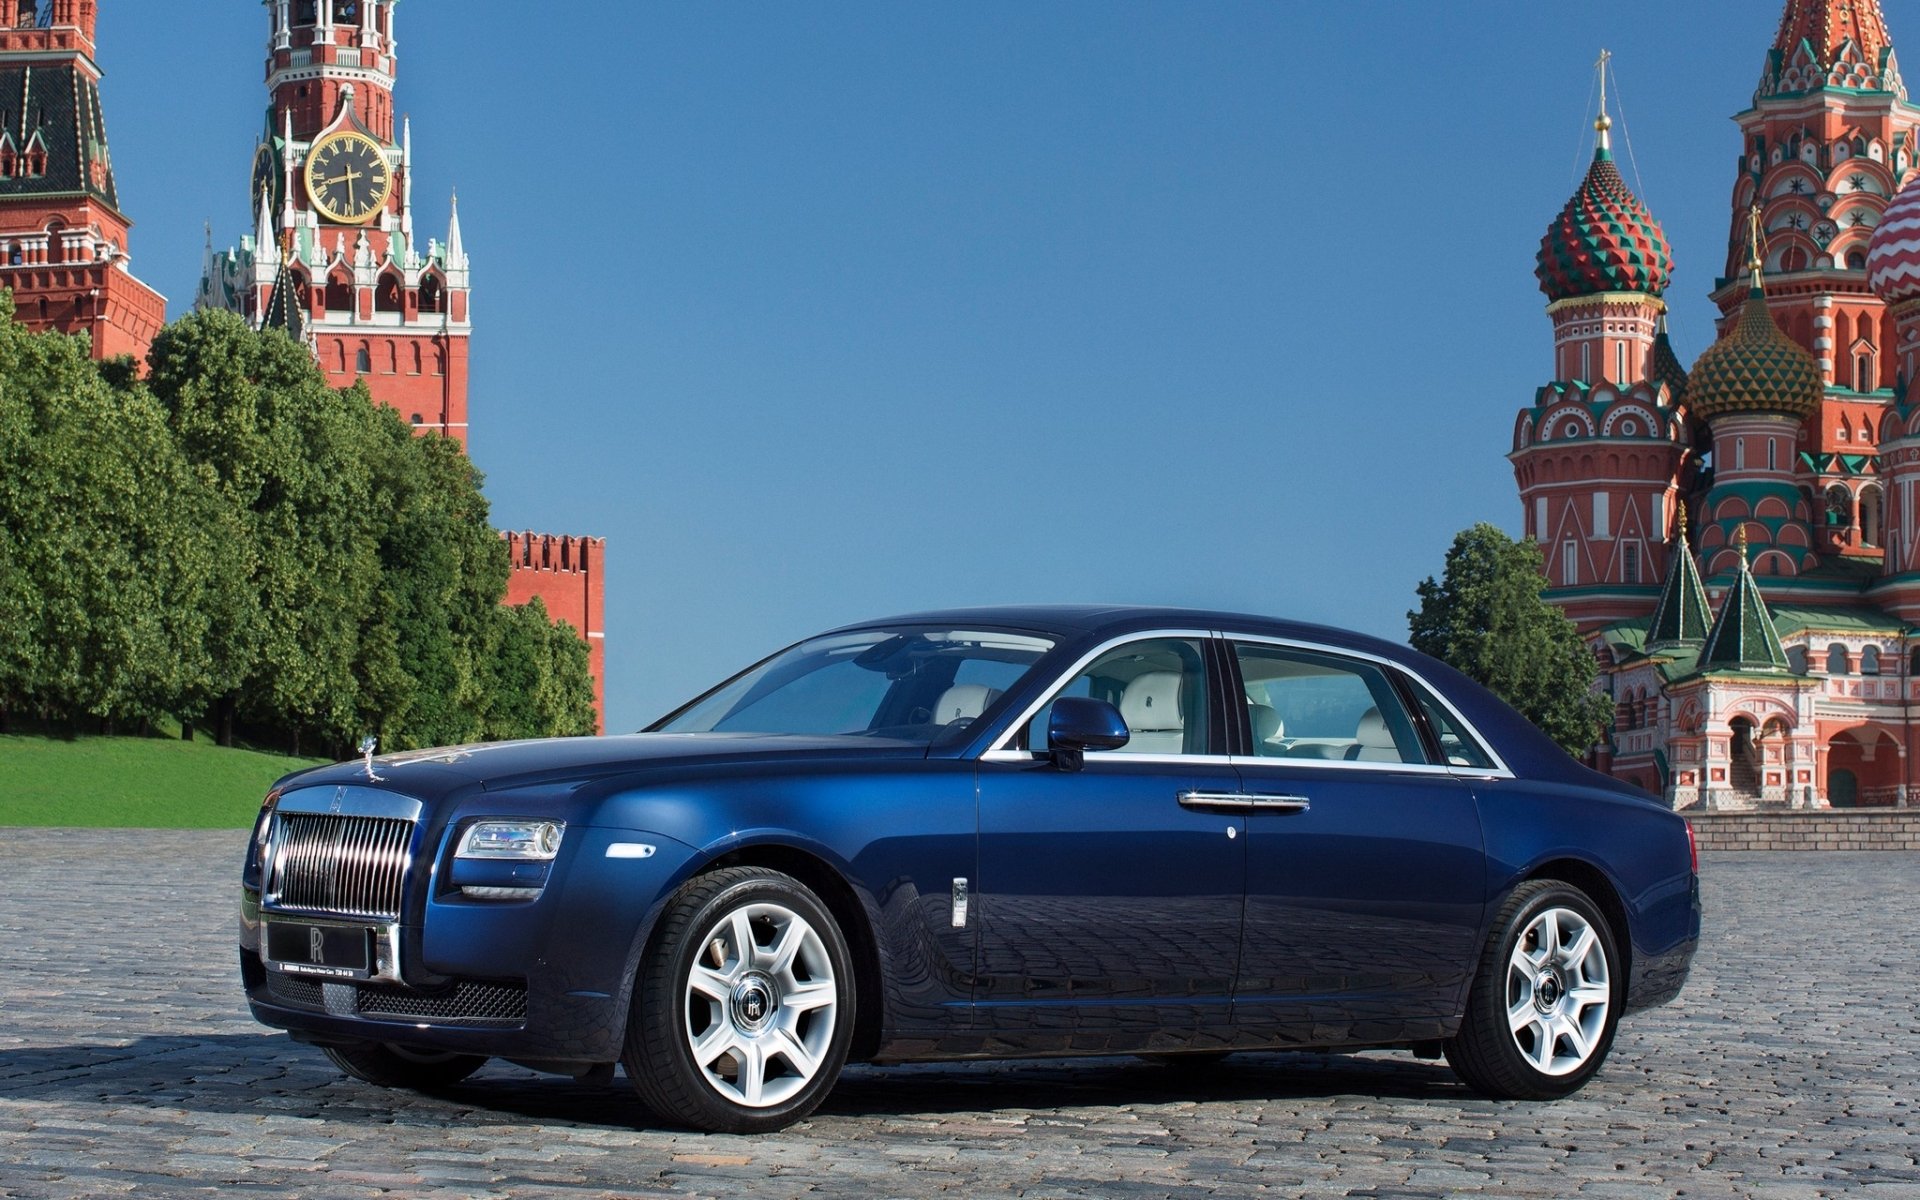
(1077, 620)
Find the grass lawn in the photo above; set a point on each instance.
(134, 783)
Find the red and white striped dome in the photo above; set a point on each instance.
(1893, 258)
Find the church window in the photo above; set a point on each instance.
(363, 360)
(1600, 514)
(1836, 659)
(1539, 518)
(1739, 454)
(1797, 659)
(1857, 259)
(1630, 564)
(1863, 380)
(1870, 515)
(1870, 661)
(1660, 514)
(387, 297)
(1839, 507)
(339, 293)
(1569, 564)
(1620, 363)
(1586, 360)
(1773, 455)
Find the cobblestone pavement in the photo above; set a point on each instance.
(128, 1066)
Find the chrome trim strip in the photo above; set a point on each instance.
(349, 800)
(1244, 801)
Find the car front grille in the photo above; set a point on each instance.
(468, 1002)
(349, 866)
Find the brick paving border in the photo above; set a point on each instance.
(128, 1067)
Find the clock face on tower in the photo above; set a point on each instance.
(266, 172)
(348, 179)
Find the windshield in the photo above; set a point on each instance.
(908, 683)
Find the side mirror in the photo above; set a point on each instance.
(1080, 724)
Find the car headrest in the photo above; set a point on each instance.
(1373, 733)
(963, 702)
(1152, 702)
(1267, 725)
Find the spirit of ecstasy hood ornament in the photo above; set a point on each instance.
(368, 745)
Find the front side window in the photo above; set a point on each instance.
(1160, 687)
(1302, 704)
(910, 684)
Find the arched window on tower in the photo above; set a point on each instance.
(1856, 260)
(1836, 659)
(1630, 564)
(1797, 659)
(392, 358)
(414, 348)
(339, 292)
(305, 12)
(1863, 372)
(56, 242)
(1839, 507)
(1870, 513)
(363, 360)
(387, 297)
(432, 294)
(1870, 661)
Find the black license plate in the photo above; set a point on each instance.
(331, 951)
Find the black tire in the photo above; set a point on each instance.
(392, 1066)
(670, 1012)
(1497, 1059)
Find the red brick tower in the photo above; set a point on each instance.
(63, 238)
(335, 261)
(1600, 452)
(1828, 141)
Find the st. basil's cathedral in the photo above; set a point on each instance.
(334, 260)
(1740, 543)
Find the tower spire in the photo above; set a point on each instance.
(1682, 617)
(1744, 637)
(1603, 124)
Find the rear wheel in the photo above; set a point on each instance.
(744, 1008)
(393, 1066)
(1546, 1001)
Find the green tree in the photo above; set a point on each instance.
(109, 541)
(1486, 618)
(290, 457)
(537, 677)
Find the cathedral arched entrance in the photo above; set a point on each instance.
(1744, 767)
(1865, 768)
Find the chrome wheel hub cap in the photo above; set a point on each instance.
(761, 1004)
(1559, 991)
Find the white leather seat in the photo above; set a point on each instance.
(1269, 730)
(963, 702)
(1151, 708)
(1374, 740)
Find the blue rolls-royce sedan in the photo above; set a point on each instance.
(984, 833)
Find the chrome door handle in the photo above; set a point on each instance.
(1243, 802)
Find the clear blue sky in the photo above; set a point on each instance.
(827, 311)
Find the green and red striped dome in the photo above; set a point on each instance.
(1604, 240)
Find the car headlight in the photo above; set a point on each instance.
(522, 841)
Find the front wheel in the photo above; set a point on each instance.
(398, 1067)
(1546, 1000)
(744, 1008)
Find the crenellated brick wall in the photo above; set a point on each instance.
(565, 572)
(1827, 829)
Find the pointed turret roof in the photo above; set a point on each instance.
(1743, 638)
(1831, 43)
(1666, 366)
(1683, 617)
(283, 308)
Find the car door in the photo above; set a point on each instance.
(1109, 911)
(1366, 876)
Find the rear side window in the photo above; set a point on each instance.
(1160, 687)
(1458, 747)
(1305, 705)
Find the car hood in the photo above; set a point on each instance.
(497, 765)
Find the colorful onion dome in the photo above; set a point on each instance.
(1604, 240)
(1755, 368)
(1893, 257)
